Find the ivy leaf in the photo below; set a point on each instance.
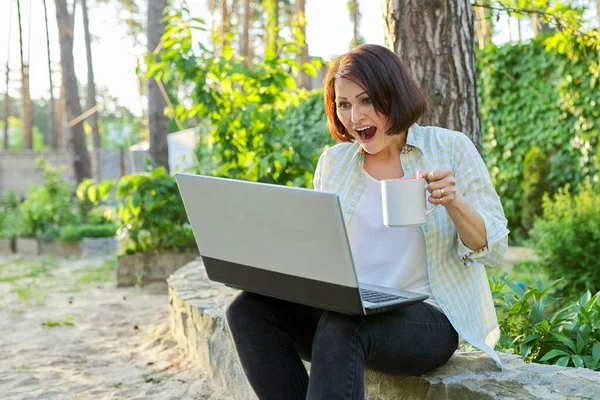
(577, 361)
(565, 340)
(553, 353)
(596, 353)
(563, 361)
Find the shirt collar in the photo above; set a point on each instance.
(356, 151)
(414, 139)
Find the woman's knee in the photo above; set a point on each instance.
(337, 329)
(244, 307)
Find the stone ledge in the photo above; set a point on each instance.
(197, 323)
(145, 268)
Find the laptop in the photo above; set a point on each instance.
(280, 241)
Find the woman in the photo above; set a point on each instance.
(372, 106)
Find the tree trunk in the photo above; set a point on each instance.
(91, 92)
(544, 26)
(235, 24)
(303, 78)
(435, 41)
(535, 23)
(354, 22)
(482, 25)
(156, 103)
(6, 108)
(61, 127)
(225, 22)
(272, 29)
(81, 157)
(25, 96)
(245, 36)
(7, 95)
(54, 137)
(355, 18)
(598, 17)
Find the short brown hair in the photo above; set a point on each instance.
(393, 92)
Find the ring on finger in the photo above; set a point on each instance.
(442, 192)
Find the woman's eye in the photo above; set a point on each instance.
(342, 105)
(367, 100)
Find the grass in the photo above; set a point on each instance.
(28, 291)
(104, 273)
(154, 379)
(27, 269)
(31, 279)
(24, 277)
(69, 321)
(24, 368)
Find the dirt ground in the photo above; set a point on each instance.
(66, 332)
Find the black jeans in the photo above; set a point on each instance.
(272, 336)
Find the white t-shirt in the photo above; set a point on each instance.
(390, 257)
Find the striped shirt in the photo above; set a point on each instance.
(456, 273)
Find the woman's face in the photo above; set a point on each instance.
(356, 112)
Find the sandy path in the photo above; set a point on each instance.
(110, 343)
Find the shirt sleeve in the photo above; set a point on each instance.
(318, 175)
(475, 183)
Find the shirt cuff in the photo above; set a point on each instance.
(468, 255)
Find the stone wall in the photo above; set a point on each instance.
(18, 169)
(197, 324)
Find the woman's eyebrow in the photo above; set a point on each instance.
(356, 97)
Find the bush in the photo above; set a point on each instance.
(9, 215)
(100, 215)
(533, 327)
(74, 233)
(530, 95)
(258, 125)
(48, 207)
(150, 212)
(533, 185)
(567, 238)
(305, 129)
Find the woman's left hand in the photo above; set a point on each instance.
(441, 185)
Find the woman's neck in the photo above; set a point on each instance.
(392, 150)
(386, 163)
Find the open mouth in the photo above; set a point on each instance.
(367, 132)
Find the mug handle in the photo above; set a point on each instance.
(427, 212)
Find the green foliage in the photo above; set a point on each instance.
(533, 185)
(567, 238)
(568, 336)
(150, 212)
(533, 96)
(48, 207)
(74, 233)
(32, 270)
(9, 215)
(15, 135)
(305, 129)
(69, 321)
(104, 273)
(100, 215)
(245, 107)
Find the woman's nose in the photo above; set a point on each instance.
(356, 114)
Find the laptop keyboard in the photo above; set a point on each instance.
(373, 296)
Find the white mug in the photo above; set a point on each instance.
(404, 202)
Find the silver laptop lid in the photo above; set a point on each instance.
(283, 229)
